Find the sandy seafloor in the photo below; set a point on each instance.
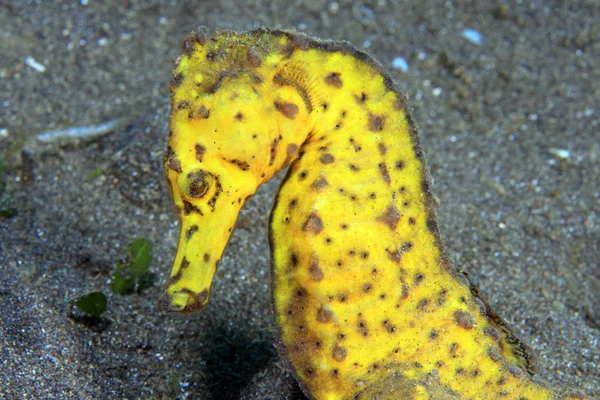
(510, 130)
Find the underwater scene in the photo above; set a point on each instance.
(306, 200)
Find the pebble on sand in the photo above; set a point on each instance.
(30, 61)
(472, 35)
(400, 63)
(560, 153)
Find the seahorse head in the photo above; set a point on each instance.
(226, 138)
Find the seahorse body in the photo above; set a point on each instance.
(367, 304)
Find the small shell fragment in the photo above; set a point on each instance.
(559, 153)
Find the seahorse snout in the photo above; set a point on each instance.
(183, 301)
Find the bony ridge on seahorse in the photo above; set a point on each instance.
(367, 304)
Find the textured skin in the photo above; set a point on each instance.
(366, 302)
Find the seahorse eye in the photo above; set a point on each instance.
(197, 184)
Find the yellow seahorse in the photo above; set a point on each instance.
(367, 304)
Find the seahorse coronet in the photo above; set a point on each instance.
(367, 303)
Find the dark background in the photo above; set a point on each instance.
(518, 216)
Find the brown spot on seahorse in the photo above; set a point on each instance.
(184, 105)
(190, 232)
(313, 224)
(289, 110)
(314, 271)
(362, 98)
(184, 264)
(384, 173)
(394, 255)
(324, 315)
(319, 184)
(273, 152)
(464, 319)
(253, 57)
(391, 328)
(243, 165)
(292, 149)
(334, 79)
(339, 353)
(200, 150)
(327, 158)
(175, 165)
(390, 217)
(376, 122)
(189, 208)
(201, 112)
(362, 328)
